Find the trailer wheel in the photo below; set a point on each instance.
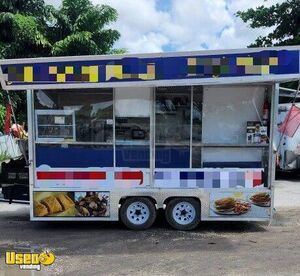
(183, 213)
(138, 213)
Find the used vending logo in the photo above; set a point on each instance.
(31, 261)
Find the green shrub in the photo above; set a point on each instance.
(4, 156)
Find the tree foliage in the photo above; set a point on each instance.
(29, 28)
(26, 7)
(21, 37)
(82, 31)
(284, 17)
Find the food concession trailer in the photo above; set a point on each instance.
(121, 136)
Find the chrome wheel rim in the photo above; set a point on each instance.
(184, 213)
(138, 213)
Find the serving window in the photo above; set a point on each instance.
(132, 127)
(173, 115)
(74, 115)
(173, 127)
(227, 114)
(198, 127)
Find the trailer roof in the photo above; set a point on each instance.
(251, 65)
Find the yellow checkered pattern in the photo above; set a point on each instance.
(116, 71)
(88, 73)
(28, 74)
(251, 69)
(91, 71)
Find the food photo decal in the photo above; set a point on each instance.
(262, 199)
(240, 203)
(92, 204)
(52, 205)
(229, 205)
(71, 204)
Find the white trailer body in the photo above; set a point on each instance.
(121, 136)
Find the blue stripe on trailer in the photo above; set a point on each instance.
(191, 175)
(56, 156)
(133, 156)
(160, 67)
(172, 157)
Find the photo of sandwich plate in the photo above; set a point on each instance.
(230, 206)
(262, 199)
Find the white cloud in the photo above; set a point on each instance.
(150, 42)
(239, 34)
(55, 3)
(139, 24)
(198, 22)
(187, 25)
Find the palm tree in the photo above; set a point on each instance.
(79, 28)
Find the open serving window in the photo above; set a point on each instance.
(74, 128)
(188, 127)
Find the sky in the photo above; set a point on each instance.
(182, 25)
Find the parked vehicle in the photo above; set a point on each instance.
(15, 180)
(288, 146)
(14, 172)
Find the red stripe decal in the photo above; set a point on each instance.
(257, 182)
(70, 175)
(130, 176)
(258, 179)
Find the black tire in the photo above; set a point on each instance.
(188, 225)
(136, 226)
